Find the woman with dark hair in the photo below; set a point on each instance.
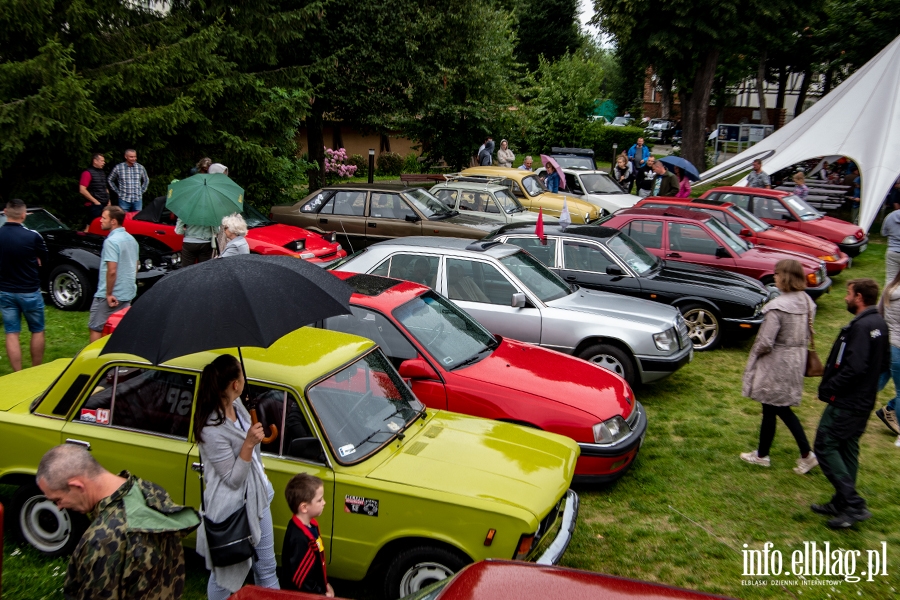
(777, 364)
(552, 180)
(234, 475)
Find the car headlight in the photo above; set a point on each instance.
(611, 430)
(331, 237)
(667, 340)
(296, 245)
(850, 239)
(813, 278)
(176, 258)
(148, 263)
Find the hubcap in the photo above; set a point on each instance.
(609, 362)
(66, 289)
(422, 575)
(703, 328)
(44, 525)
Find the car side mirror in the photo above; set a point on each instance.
(745, 232)
(412, 218)
(417, 368)
(721, 252)
(614, 270)
(518, 300)
(787, 217)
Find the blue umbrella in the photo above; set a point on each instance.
(685, 165)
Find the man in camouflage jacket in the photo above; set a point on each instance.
(132, 548)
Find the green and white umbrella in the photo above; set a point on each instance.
(203, 199)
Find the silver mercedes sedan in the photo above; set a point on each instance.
(514, 295)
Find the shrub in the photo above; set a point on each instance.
(361, 163)
(411, 163)
(336, 165)
(389, 163)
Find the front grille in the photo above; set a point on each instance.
(633, 417)
(328, 255)
(684, 338)
(547, 522)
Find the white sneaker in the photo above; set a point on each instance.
(756, 459)
(805, 465)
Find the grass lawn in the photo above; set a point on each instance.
(684, 512)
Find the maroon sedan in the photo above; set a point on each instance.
(692, 236)
(787, 210)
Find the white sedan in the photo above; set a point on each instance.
(596, 187)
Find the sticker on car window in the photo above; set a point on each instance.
(89, 415)
(361, 506)
(346, 450)
(393, 426)
(103, 416)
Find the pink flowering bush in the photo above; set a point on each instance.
(335, 164)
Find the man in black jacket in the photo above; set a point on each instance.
(849, 386)
(644, 178)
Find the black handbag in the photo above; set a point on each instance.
(229, 540)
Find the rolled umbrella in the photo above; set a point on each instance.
(203, 199)
(685, 165)
(562, 176)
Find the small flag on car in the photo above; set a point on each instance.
(539, 227)
(564, 218)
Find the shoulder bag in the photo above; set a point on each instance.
(229, 540)
(814, 367)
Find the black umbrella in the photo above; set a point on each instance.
(248, 300)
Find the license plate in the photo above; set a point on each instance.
(863, 248)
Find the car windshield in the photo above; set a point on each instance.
(541, 281)
(750, 219)
(533, 185)
(451, 336)
(508, 202)
(728, 236)
(427, 204)
(363, 406)
(584, 163)
(254, 218)
(804, 211)
(39, 220)
(632, 253)
(599, 183)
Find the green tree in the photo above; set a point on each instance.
(548, 28)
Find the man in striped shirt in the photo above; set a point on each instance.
(129, 181)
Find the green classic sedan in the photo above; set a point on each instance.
(413, 495)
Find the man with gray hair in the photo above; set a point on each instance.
(114, 559)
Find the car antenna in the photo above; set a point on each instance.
(349, 243)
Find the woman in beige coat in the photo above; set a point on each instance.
(505, 156)
(777, 363)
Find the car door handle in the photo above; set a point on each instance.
(673, 255)
(159, 232)
(373, 224)
(323, 220)
(83, 444)
(571, 278)
(198, 467)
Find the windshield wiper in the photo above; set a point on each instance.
(374, 433)
(474, 358)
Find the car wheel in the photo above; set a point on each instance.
(419, 567)
(50, 530)
(612, 359)
(703, 326)
(70, 288)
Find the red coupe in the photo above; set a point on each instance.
(787, 210)
(758, 232)
(453, 363)
(692, 236)
(263, 236)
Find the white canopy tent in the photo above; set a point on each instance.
(860, 119)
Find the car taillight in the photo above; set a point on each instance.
(524, 548)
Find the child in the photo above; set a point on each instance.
(303, 553)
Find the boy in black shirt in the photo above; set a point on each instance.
(303, 553)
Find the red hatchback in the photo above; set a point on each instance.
(692, 236)
(263, 236)
(787, 210)
(758, 232)
(453, 363)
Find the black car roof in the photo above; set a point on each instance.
(671, 211)
(591, 231)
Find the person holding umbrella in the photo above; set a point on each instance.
(201, 202)
(665, 183)
(554, 179)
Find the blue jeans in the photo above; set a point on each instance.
(263, 567)
(893, 373)
(14, 305)
(130, 206)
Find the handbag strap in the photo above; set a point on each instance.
(812, 332)
(203, 487)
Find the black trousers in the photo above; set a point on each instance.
(770, 414)
(837, 448)
(195, 253)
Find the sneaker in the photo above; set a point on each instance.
(889, 418)
(805, 465)
(828, 509)
(756, 459)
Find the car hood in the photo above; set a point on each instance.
(67, 238)
(280, 235)
(711, 278)
(617, 306)
(776, 254)
(617, 200)
(790, 236)
(27, 384)
(843, 227)
(575, 205)
(468, 456)
(534, 371)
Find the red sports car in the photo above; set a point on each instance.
(263, 236)
(453, 363)
(758, 232)
(692, 236)
(787, 210)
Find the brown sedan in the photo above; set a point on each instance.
(365, 214)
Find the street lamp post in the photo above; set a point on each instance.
(371, 165)
(613, 164)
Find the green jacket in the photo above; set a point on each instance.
(132, 548)
(199, 232)
(669, 184)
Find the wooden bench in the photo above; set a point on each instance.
(409, 178)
